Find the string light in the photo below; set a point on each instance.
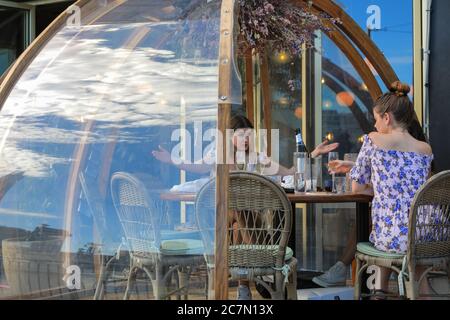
(283, 57)
(361, 139)
(329, 136)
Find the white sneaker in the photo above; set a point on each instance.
(335, 276)
(244, 293)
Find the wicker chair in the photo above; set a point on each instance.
(258, 244)
(159, 259)
(428, 241)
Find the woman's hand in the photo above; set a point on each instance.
(340, 166)
(323, 148)
(162, 155)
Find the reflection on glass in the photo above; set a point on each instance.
(97, 100)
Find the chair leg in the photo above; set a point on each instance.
(159, 289)
(130, 282)
(183, 276)
(357, 289)
(99, 288)
(278, 294)
(411, 287)
(291, 287)
(177, 284)
(211, 292)
(104, 272)
(206, 286)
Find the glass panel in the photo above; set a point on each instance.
(91, 135)
(285, 92)
(346, 103)
(342, 112)
(391, 24)
(13, 39)
(324, 238)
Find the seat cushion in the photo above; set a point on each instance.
(182, 247)
(175, 235)
(369, 249)
(289, 254)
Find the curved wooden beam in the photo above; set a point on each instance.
(24, 60)
(356, 110)
(356, 60)
(7, 181)
(359, 37)
(349, 81)
(3, 76)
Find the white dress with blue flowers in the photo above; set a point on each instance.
(395, 176)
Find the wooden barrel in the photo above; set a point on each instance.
(33, 266)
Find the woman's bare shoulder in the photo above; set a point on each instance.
(391, 142)
(424, 147)
(376, 137)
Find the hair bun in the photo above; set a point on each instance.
(400, 89)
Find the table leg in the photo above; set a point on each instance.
(292, 243)
(362, 222)
(362, 234)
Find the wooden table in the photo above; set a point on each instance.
(362, 206)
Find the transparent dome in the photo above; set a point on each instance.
(109, 129)
(114, 95)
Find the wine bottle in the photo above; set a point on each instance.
(301, 161)
(300, 145)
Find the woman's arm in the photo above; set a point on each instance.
(283, 171)
(195, 167)
(362, 188)
(324, 148)
(271, 167)
(340, 166)
(164, 156)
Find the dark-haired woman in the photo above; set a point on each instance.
(243, 132)
(242, 135)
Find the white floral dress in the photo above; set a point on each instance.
(395, 176)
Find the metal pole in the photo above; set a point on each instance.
(426, 66)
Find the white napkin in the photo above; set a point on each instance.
(190, 186)
(288, 182)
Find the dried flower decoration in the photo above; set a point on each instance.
(280, 24)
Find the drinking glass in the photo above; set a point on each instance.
(300, 160)
(332, 156)
(299, 182)
(313, 174)
(348, 183)
(340, 184)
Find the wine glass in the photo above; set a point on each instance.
(332, 156)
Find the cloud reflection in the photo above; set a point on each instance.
(94, 78)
